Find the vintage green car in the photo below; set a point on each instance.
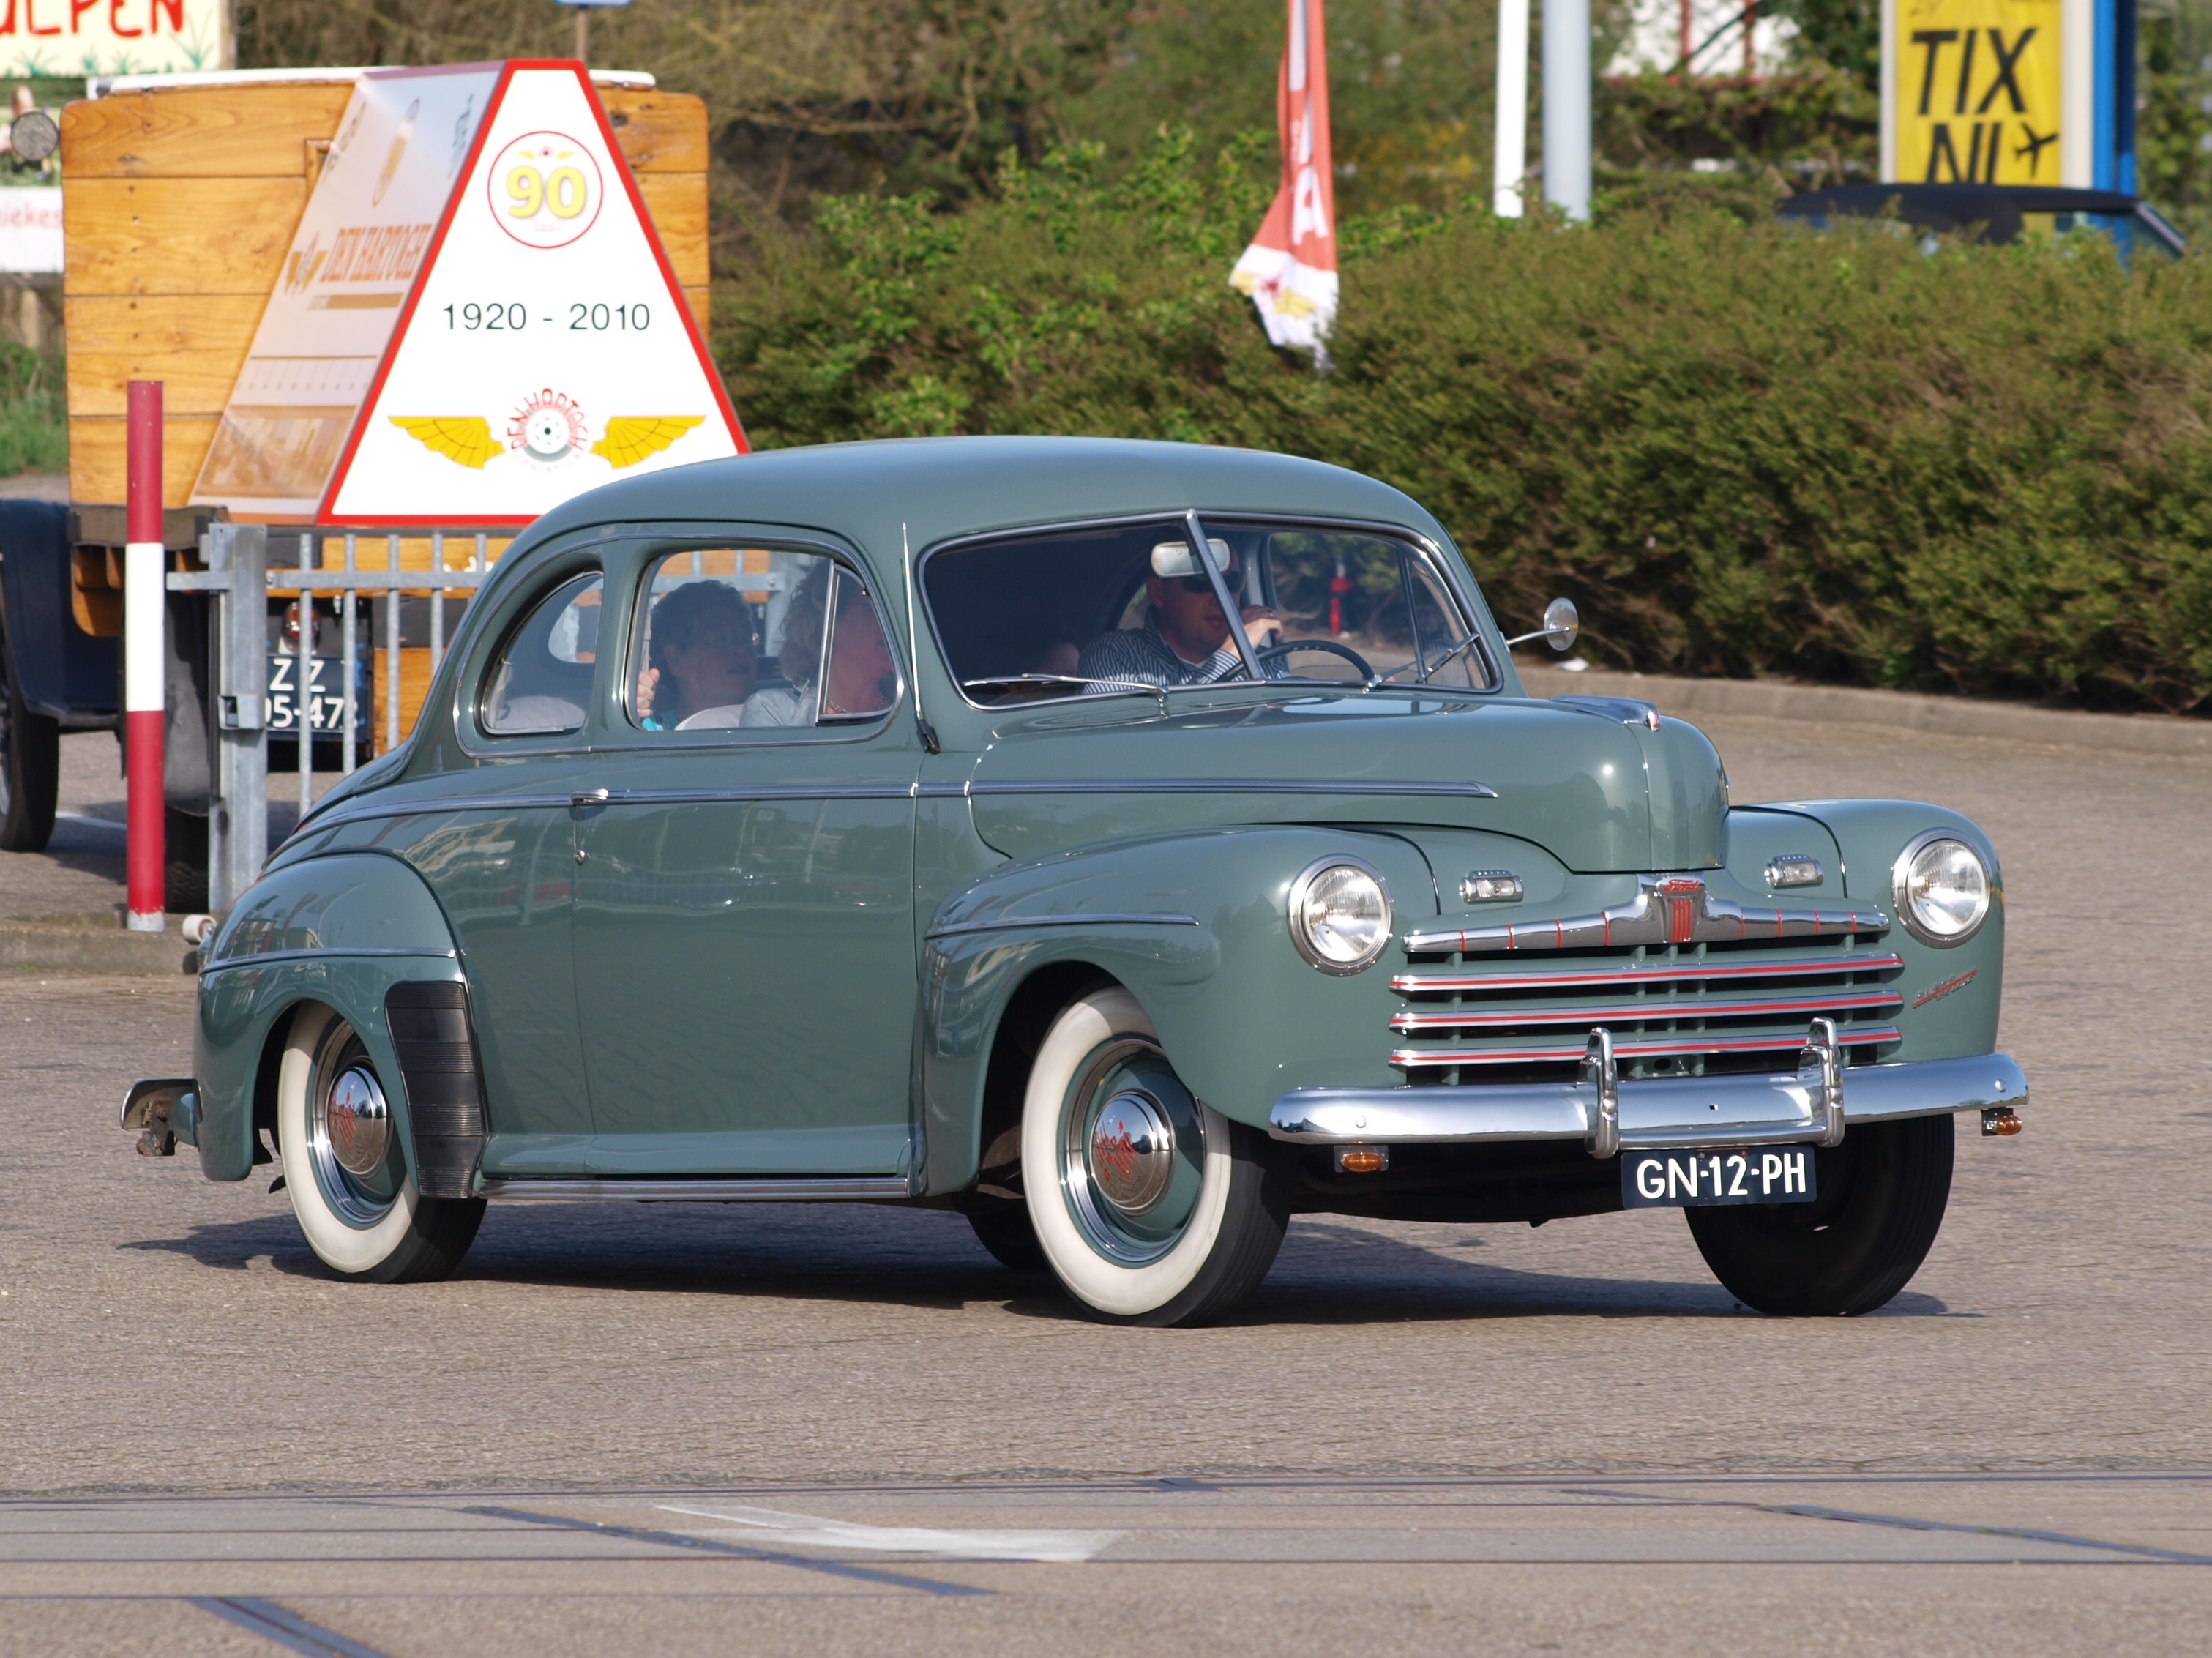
(907, 822)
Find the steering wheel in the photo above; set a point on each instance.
(1330, 644)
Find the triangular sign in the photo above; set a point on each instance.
(477, 319)
(474, 420)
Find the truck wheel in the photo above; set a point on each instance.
(1881, 1201)
(1151, 1206)
(30, 768)
(184, 880)
(346, 1170)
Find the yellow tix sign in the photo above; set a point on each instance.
(1976, 89)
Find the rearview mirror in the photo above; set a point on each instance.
(1174, 558)
(1562, 622)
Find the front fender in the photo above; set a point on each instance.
(1952, 993)
(1194, 927)
(340, 931)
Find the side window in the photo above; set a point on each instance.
(739, 637)
(541, 681)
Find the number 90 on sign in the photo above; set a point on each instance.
(1701, 1179)
(545, 189)
(562, 192)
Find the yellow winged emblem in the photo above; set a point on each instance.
(463, 438)
(631, 438)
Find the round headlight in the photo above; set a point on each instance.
(1941, 888)
(1339, 915)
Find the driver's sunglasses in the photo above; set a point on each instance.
(1199, 584)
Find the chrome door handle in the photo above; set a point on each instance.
(588, 797)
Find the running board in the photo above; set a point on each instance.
(766, 1190)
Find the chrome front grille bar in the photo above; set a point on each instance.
(1690, 970)
(1688, 1043)
(1667, 910)
(1872, 999)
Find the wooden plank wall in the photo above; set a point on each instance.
(179, 206)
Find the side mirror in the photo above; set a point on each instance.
(1562, 622)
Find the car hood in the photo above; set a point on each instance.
(1598, 792)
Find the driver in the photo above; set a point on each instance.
(1185, 638)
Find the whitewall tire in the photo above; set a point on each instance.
(1150, 1206)
(345, 1170)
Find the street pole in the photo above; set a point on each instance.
(1510, 149)
(145, 615)
(1567, 106)
(584, 35)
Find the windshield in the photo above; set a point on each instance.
(1113, 609)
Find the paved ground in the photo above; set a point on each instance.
(872, 1367)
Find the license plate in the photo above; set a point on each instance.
(1683, 1180)
(323, 704)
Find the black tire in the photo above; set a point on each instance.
(1855, 1246)
(1189, 1252)
(1007, 1234)
(30, 768)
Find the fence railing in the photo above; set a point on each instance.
(243, 571)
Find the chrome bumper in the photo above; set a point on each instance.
(1814, 1103)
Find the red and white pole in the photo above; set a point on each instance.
(145, 629)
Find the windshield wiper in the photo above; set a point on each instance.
(1014, 681)
(1429, 668)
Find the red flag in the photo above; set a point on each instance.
(1290, 270)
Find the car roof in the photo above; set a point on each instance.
(926, 490)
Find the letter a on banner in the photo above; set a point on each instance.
(546, 347)
(1289, 268)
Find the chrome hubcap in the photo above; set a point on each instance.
(350, 1141)
(1132, 1152)
(358, 1121)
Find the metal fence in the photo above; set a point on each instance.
(243, 571)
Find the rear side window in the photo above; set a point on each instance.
(540, 681)
(756, 638)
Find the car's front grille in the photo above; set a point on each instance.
(1688, 985)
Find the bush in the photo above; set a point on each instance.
(34, 424)
(1743, 449)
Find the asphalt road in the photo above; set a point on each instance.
(1411, 1436)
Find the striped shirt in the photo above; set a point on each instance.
(1141, 655)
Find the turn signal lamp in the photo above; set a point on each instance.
(1362, 1159)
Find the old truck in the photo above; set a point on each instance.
(182, 194)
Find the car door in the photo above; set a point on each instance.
(500, 860)
(744, 952)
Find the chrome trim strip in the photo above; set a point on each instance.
(1233, 786)
(1693, 1042)
(1419, 983)
(762, 1189)
(1882, 999)
(1007, 923)
(1668, 910)
(1778, 1108)
(349, 951)
(902, 791)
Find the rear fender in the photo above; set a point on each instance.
(340, 931)
(1194, 927)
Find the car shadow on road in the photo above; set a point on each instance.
(854, 1254)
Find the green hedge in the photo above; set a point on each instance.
(1742, 449)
